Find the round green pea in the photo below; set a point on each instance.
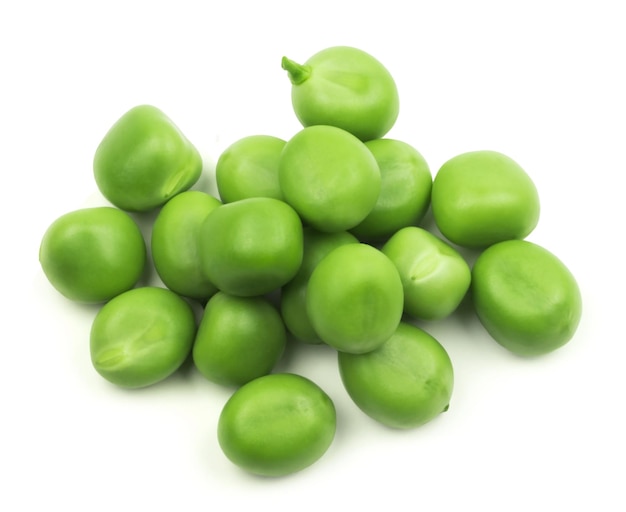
(329, 177)
(249, 168)
(142, 336)
(144, 160)
(354, 298)
(406, 184)
(317, 245)
(277, 425)
(239, 339)
(484, 197)
(405, 383)
(252, 246)
(174, 244)
(93, 254)
(344, 87)
(434, 275)
(526, 298)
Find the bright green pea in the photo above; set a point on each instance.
(405, 383)
(252, 246)
(277, 425)
(434, 275)
(484, 197)
(404, 197)
(526, 298)
(174, 243)
(354, 298)
(317, 245)
(344, 87)
(249, 168)
(93, 254)
(144, 160)
(329, 177)
(239, 339)
(142, 336)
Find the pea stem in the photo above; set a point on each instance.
(298, 73)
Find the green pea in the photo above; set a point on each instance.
(239, 339)
(252, 246)
(354, 298)
(404, 197)
(249, 168)
(329, 177)
(277, 425)
(142, 336)
(526, 298)
(405, 383)
(484, 197)
(144, 160)
(293, 295)
(174, 243)
(93, 254)
(344, 87)
(434, 275)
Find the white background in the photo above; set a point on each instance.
(540, 81)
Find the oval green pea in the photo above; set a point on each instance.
(174, 244)
(277, 425)
(144, 160)
(142, 336)
(526, 297)
(435, 277)
(354, 298)
(252, 246)
(405, 383)
(406, 184)
(484, 197)
(93, 254)
(344, 87)
(249, 168)
(329, 177)
(239, 339)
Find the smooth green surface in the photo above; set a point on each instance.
(277, 424)
(355, 298)
(239, 339)
(526, 297)
(252, 246)
(93, 254)
(329, 177)
(406, 184)
(344, 87)
(142, 336)
(249, 168)
(435, 277)
(317, 245)
(144, 160)
(484, 197)
(405, 383)
(174, 244)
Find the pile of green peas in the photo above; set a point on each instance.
(329, 219)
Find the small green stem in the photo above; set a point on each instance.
(298, 73)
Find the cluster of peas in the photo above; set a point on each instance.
(330, 218)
